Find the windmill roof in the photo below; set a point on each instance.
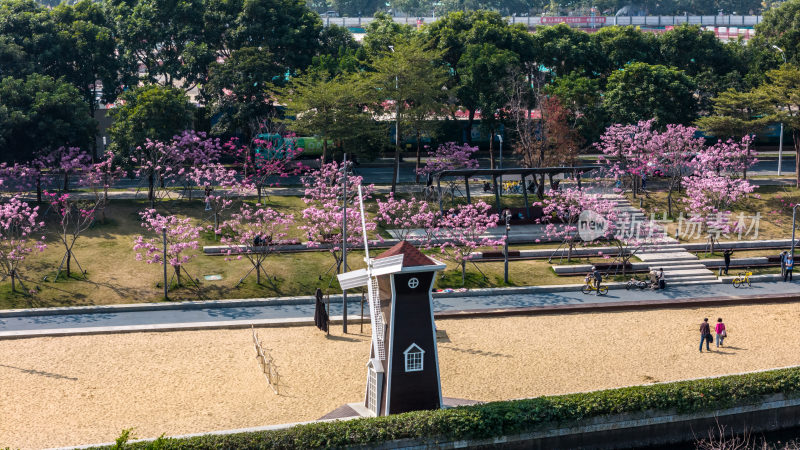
(411, 256)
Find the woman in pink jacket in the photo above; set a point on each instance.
(719, 328)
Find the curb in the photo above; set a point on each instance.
(274, 301)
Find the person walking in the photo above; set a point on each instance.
(705, 335)
(727, 255)
(789, 267)
(719, 329)
(783, 263)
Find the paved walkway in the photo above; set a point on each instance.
(193, 317)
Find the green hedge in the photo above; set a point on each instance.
(508, 417)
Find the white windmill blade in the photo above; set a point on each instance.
(364, 228)
(383, 266)
(353, 279)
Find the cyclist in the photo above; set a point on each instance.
(598, 278)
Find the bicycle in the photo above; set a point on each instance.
(742, 278)
(589, 287)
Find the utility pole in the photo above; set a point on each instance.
(344, 240)
(780, 140)
(507, 216)
(164, 237)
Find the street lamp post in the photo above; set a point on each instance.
(396, 123)
(507, 215)
(780, 139)
(500, 139)
(794, 217)
(344, 240)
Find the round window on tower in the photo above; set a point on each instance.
(413, 283)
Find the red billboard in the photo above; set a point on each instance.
(588, 20)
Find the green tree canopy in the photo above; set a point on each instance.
(781, 27)
(148, 112)
(242, 90)
(41, 114)
(642, 91)
(737, 114)
(623, 45)
(563, 50)
(783, 93)
(332, 109)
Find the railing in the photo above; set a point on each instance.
(268, 366)
(579, 21)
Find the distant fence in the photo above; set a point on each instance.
(268, 366)
(578, 21)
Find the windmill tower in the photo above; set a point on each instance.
(403, 366)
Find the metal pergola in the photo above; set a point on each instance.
(523, 172)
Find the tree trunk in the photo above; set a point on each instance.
(324, 150)
(66, 182)
(258, 272)
(747, 158)
(491, 148)
(540, 190)
(150, 188)
(39, 188)
(463, 273)
(796, 138)
(419, 144)
(69, 257)
(396, 165)
(258, 189)
(470, 121)
(13, 277)
(178, 275)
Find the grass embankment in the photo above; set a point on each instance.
(775, 214)
(106, 253)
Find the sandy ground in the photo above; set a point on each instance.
(77, 390)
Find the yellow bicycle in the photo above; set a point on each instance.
(589, 287)
(742, 278)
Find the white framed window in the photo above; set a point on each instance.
(414, 358)
(372, 394)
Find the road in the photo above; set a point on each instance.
(244, 315)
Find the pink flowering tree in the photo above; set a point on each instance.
(462, 231)
(65, 162)
(730, 157)
(181, 237)
(674, 151)
(194, 149)
(567, 210)
(273, 160)
(18, 224)
(709, 198)
(323, 216)
(632, 236)
(99, 177)
(159, 164)
(449, 156)
(74, 217)
(16, 178)
(221, 189)
(627, 153)
(255, 233)
(407, 218)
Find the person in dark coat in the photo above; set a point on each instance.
(783, 263)
(320, 315)
(727, 255)
(705, 335)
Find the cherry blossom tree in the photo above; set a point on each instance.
(160, 164)
(272, 160)
(65, 162)
(323, 216)
(194, 149)
(16, 178)
(709, 197)
(221, 187)
(626, 152)
(99, 177)
(181, 236)
(255, 233)
(406, 217)
(729, 157)
(632, 236)
(462, 231)
(674, 151)
(74, 217)
(18, 224)
(449, 156)
(566, 210)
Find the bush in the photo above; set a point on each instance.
(509, 417)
